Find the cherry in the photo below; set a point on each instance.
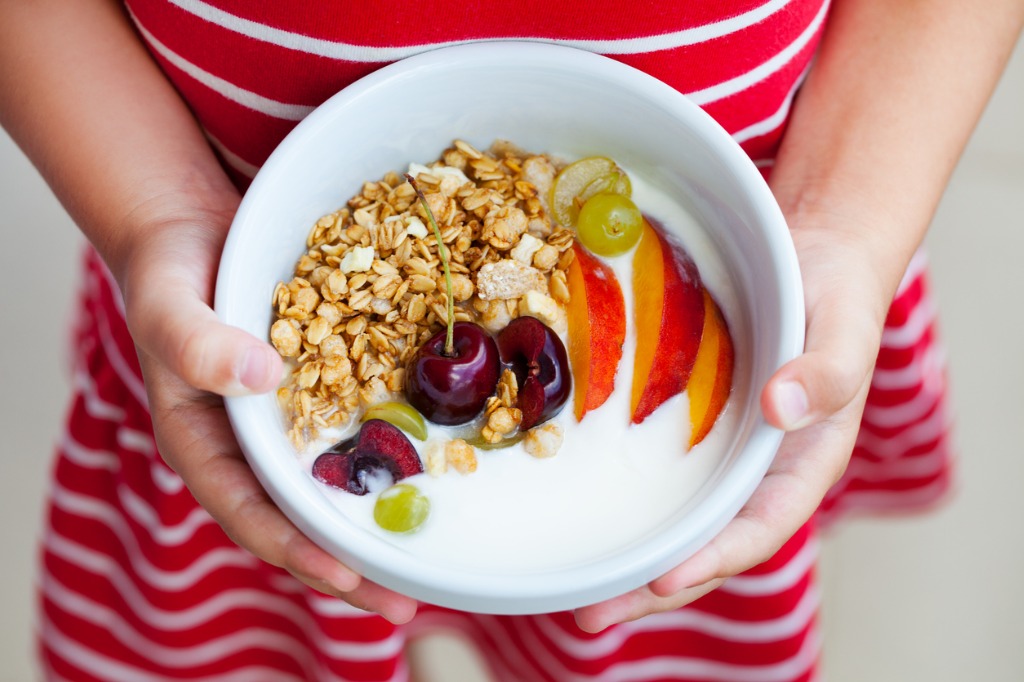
(535, 353)
(377, 448)
(452, 387)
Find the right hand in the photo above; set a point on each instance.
(189, 359)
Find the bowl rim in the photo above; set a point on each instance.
(572, 586)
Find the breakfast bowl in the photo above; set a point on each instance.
(621, 502)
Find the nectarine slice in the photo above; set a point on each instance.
(711, 380)
(597, 329)
(669, 318)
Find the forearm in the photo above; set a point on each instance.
(87, 104)
(886, 112)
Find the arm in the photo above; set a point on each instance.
(123, 153)
(875, 135)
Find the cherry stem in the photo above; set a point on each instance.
(449, 339)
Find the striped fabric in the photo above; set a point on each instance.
(138, 583)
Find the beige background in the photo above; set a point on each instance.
(932, 598)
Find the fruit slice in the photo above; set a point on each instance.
(401, 508)
(401, 415)
(581, 180)
(378, 448)
(669, 318)
(597, 329)
(711, 380)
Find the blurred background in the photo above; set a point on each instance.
(934, 597)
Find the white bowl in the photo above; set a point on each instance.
(543, 98)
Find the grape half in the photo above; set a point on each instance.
(401, 508)
(609, 224)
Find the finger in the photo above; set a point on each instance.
(167, 293)
(393, 607)
(283, 545)
(842, 344)
(195, 439)
(636, 604)
(171, 322)
(809, 462)
(254, 522)
(168, 290)
(207, 458)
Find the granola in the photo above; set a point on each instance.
(369, 289)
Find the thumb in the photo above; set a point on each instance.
(170, 321)
(842, 345)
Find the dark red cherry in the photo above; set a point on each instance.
(452, 389)
(378, 447)
(535, 353)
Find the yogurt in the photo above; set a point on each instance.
(610, 484)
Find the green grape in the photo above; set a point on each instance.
(609, 224)
(401, 415)
(401, 508)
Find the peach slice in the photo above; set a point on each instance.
(711, 380)
(669, 318)
(597, 329)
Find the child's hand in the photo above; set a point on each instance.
(818, 398)
(187, 358)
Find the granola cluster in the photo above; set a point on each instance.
(370, 289)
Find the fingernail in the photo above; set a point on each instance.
(256, 368)
(792, 405)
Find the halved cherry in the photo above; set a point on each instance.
(378, 448)
(535, 353)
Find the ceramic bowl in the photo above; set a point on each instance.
(543, 98)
